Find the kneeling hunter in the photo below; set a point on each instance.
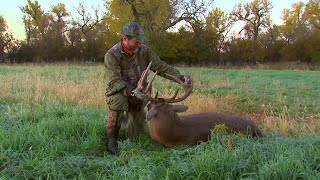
(124, 64)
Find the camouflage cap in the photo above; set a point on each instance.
(134, 29)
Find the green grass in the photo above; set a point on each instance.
(65, 140)
(68, 142)
(264, 86)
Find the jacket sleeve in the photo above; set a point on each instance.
(162, 67)
(113, 72)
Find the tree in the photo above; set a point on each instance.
(86, 22)
(313, 13)
(297, 31)
(45, 30)
(312, 46)
(5, 37)
(33, 20)
(36, 24)
(89, 33)
(272, 43)
(295, 23)
(243, 51)
(155, 15)
(256, 14)
(218, 25)
(55, 35)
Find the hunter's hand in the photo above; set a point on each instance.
(137, 92)
(186, 80)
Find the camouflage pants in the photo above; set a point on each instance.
(135, 114)
(118, 102)
(114, 119)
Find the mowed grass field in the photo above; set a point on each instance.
(53, 118)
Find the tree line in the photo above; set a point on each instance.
(207, 36)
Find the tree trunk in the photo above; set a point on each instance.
(135, 13)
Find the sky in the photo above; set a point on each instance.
(13, 15)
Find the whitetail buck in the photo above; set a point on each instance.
(169, 129)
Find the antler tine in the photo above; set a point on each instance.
(186, 94)
(185, 70)
(144, 76)
(143, 79)
(140, 82)
(175, 94)
(187, 91)
(150, 82)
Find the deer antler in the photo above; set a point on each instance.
(187, 91)
(142, 81)
(150, 83)
(144, 76)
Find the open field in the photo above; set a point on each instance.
(53, 126)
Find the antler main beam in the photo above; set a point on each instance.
(187, 91)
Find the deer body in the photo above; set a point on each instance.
(169, 129)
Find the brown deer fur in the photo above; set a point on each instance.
(136, 123)
(169, 129)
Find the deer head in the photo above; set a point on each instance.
(162, 104)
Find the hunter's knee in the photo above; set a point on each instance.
(118, 102)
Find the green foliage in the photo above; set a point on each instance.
(33, 14)
(244, 52)
(313, 13)
(174, 47)
(299, 33)
(220, 129)
(295, 23)
(3, 24)
(5, 37)
(312, 46)
(152, 15)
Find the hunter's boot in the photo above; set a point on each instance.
(112, 144)
(113, 128)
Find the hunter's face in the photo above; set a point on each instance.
(132, 44)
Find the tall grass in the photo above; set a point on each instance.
(286, 102)
(52, 126)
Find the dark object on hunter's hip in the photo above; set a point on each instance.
(116, 90)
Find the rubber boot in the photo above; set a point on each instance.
(112, 144)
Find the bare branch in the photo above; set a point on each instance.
(87, 22)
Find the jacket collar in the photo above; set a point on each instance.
(123, 51)
(126, 49)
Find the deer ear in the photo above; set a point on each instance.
(179, 108)
(151, 113)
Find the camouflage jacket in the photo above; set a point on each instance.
(121, 68)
